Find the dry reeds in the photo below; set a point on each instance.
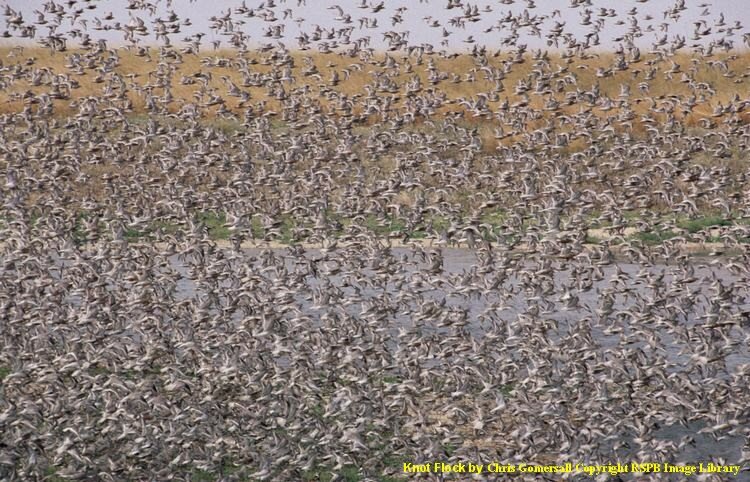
(128, 80)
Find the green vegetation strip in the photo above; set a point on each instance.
(289, 229)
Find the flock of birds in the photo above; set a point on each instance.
(275, 279)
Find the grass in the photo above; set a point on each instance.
(50, 475)
(592, 239)
(691, 226)
(96, 370)
(215, 223)
(228, 468)
(348, 473)
(134, 234)
(297, 225)
(4, 372)
(79, 234)
(198, 475)
(655, 237)
(130, 374)
(290, 228)
(164, 227)
(699, 224)
(495, 218)
(449, 449)
(384, 225)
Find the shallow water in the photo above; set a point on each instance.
(459, 262)
(468, 294)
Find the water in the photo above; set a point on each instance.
(504, 299)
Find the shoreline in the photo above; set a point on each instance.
(697, 249)
(692, 248)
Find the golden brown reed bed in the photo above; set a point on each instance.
(137, 71)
